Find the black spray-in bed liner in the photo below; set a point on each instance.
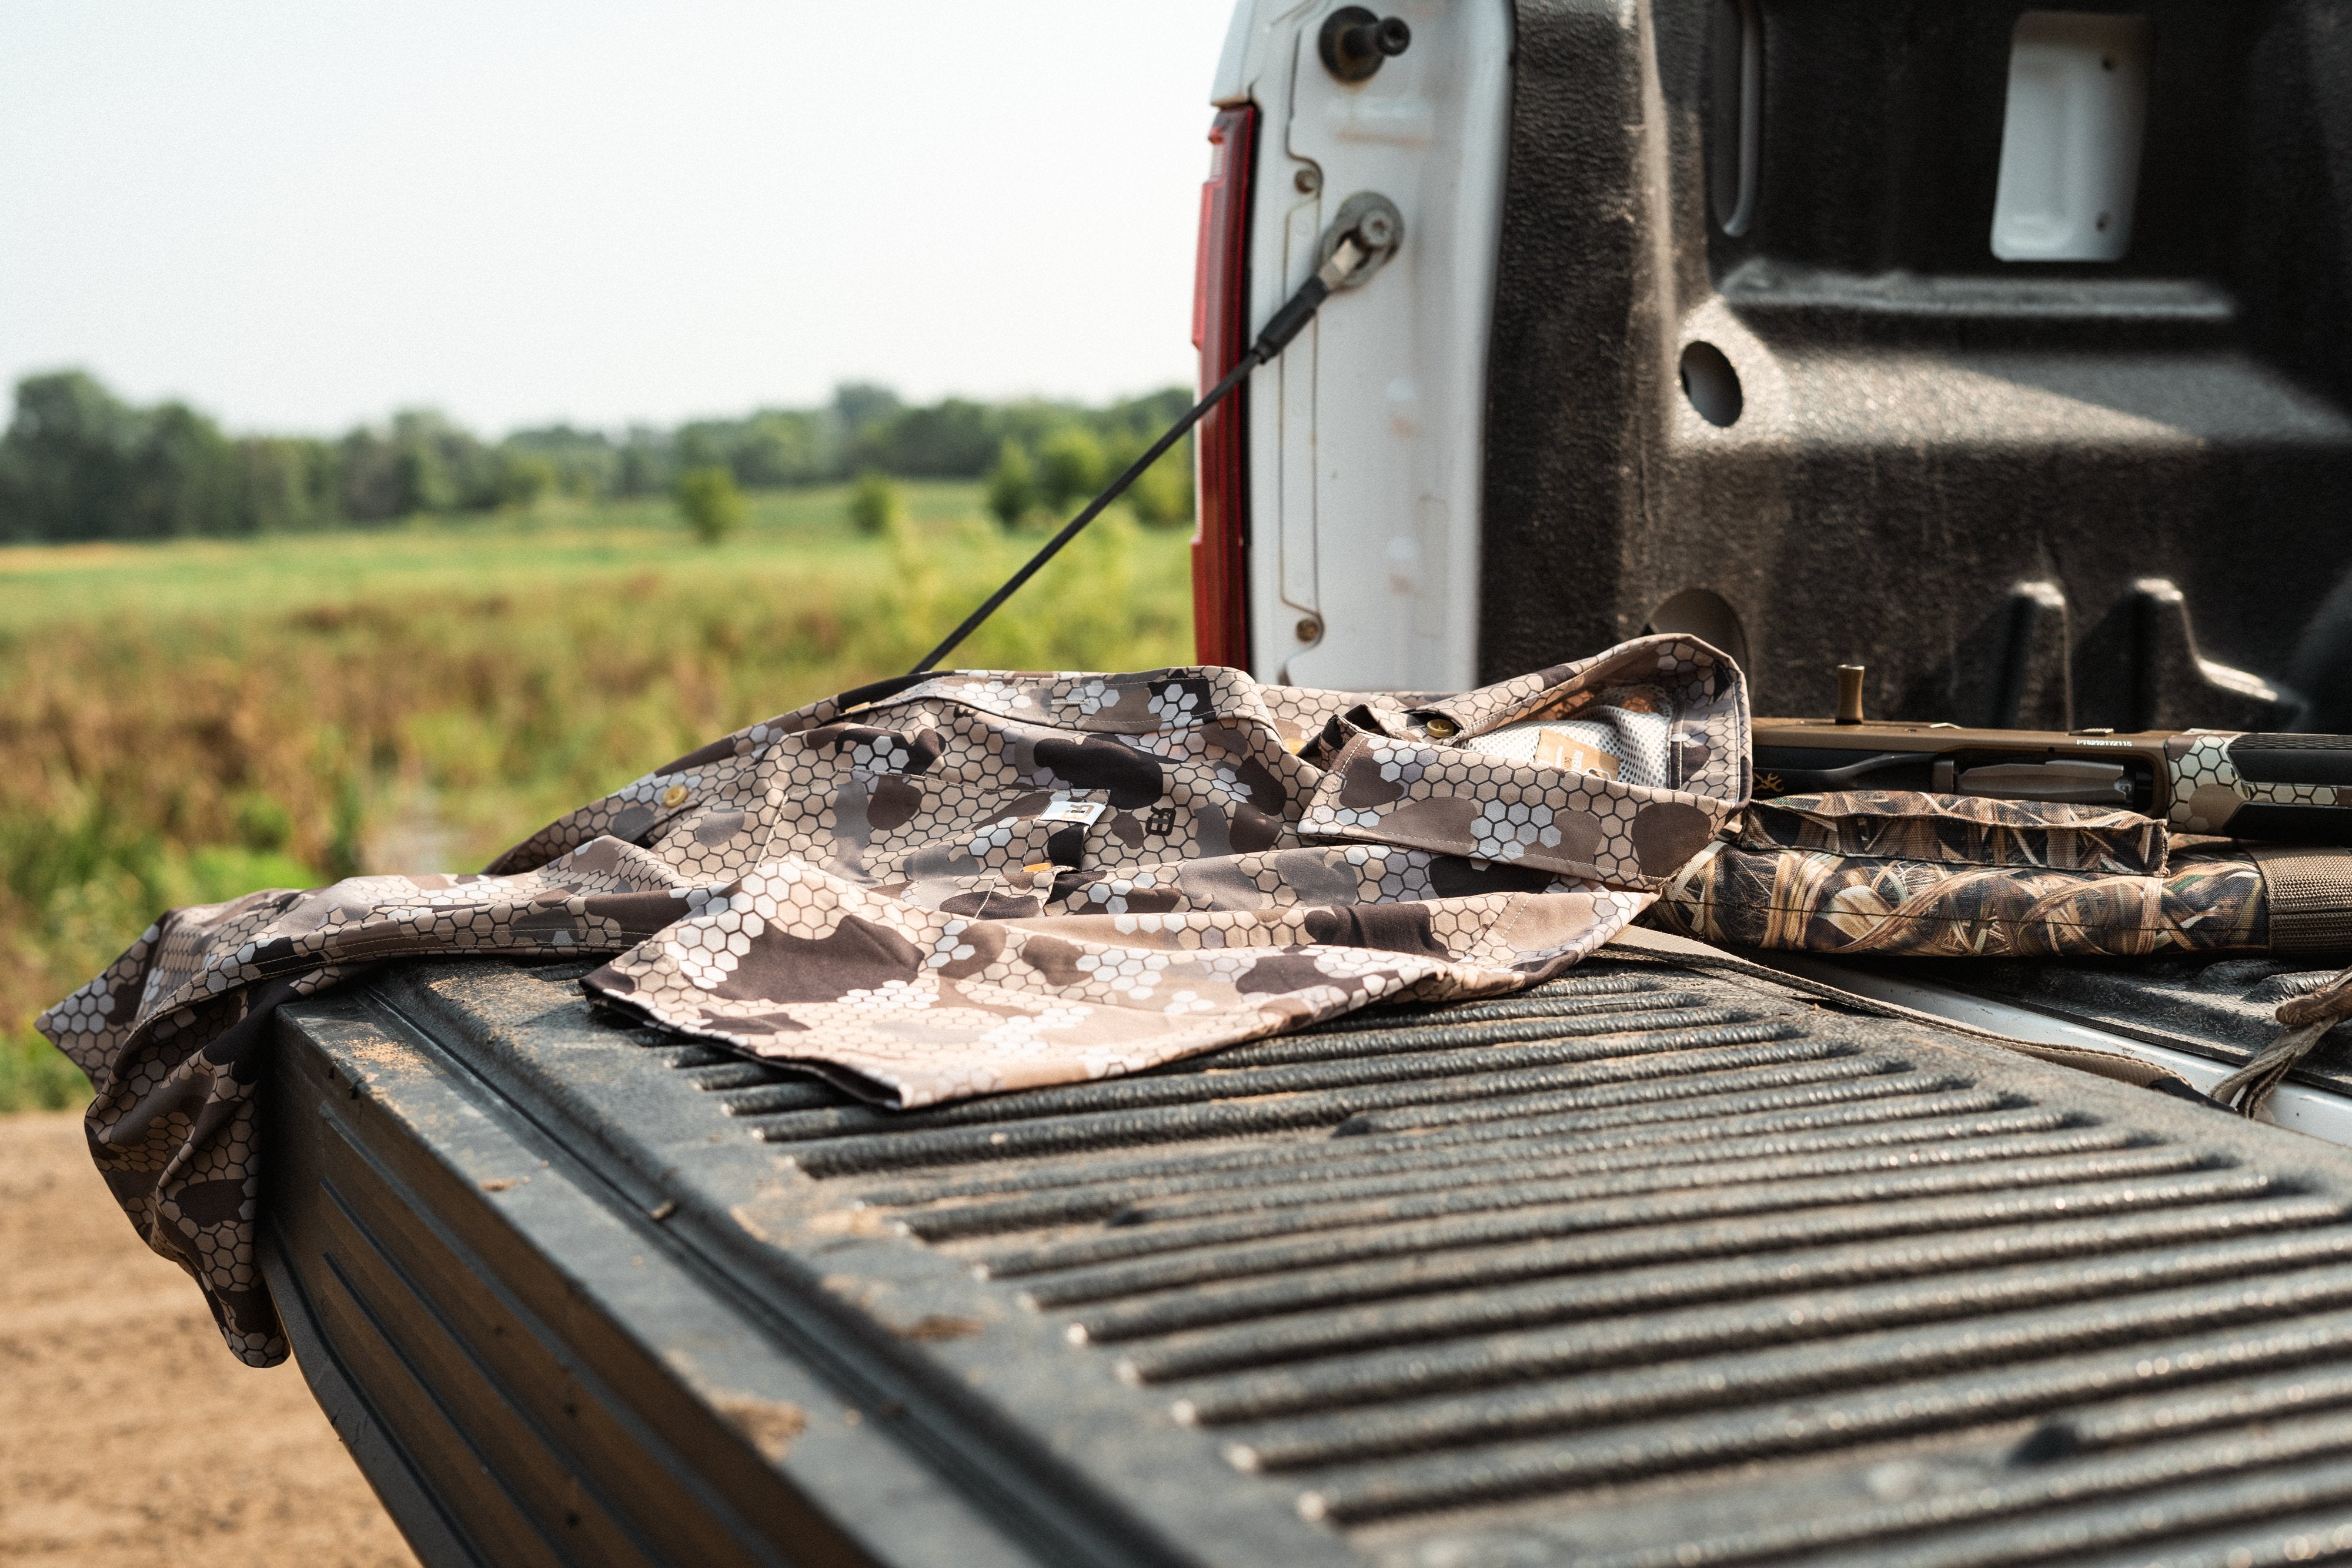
(1650, 1267)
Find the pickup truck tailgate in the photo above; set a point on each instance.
(1646, 1266)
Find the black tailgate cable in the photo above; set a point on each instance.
(1368, 230)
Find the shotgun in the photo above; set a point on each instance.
(2283, 788)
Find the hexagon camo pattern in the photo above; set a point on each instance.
(2207, 785)
(954, 884)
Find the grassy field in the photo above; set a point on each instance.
(185, 722)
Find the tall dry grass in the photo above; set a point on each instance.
(162, 758)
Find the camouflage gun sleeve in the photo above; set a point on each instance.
(1901, 874)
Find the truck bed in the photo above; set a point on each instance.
(1650, 1266)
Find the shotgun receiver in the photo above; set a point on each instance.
(2283, 789)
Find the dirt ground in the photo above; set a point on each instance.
(126, 1434)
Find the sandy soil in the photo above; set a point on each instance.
(126, 1434)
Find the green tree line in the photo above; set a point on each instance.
(80, 462)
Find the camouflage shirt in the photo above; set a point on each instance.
(967, 883)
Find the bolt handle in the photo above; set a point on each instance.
(1354, 43)
(1849, 693)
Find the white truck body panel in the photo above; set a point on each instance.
(1365, 436)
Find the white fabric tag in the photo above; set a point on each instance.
(1081, 811)
(1552, 745)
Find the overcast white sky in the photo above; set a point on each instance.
(299, 216)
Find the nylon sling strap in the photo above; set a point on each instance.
(2306, 1020)
(2309, 891)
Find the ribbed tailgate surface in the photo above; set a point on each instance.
(1652, 1267)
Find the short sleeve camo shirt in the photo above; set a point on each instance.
(968, 882)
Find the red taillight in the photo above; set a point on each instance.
(1221, 332)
